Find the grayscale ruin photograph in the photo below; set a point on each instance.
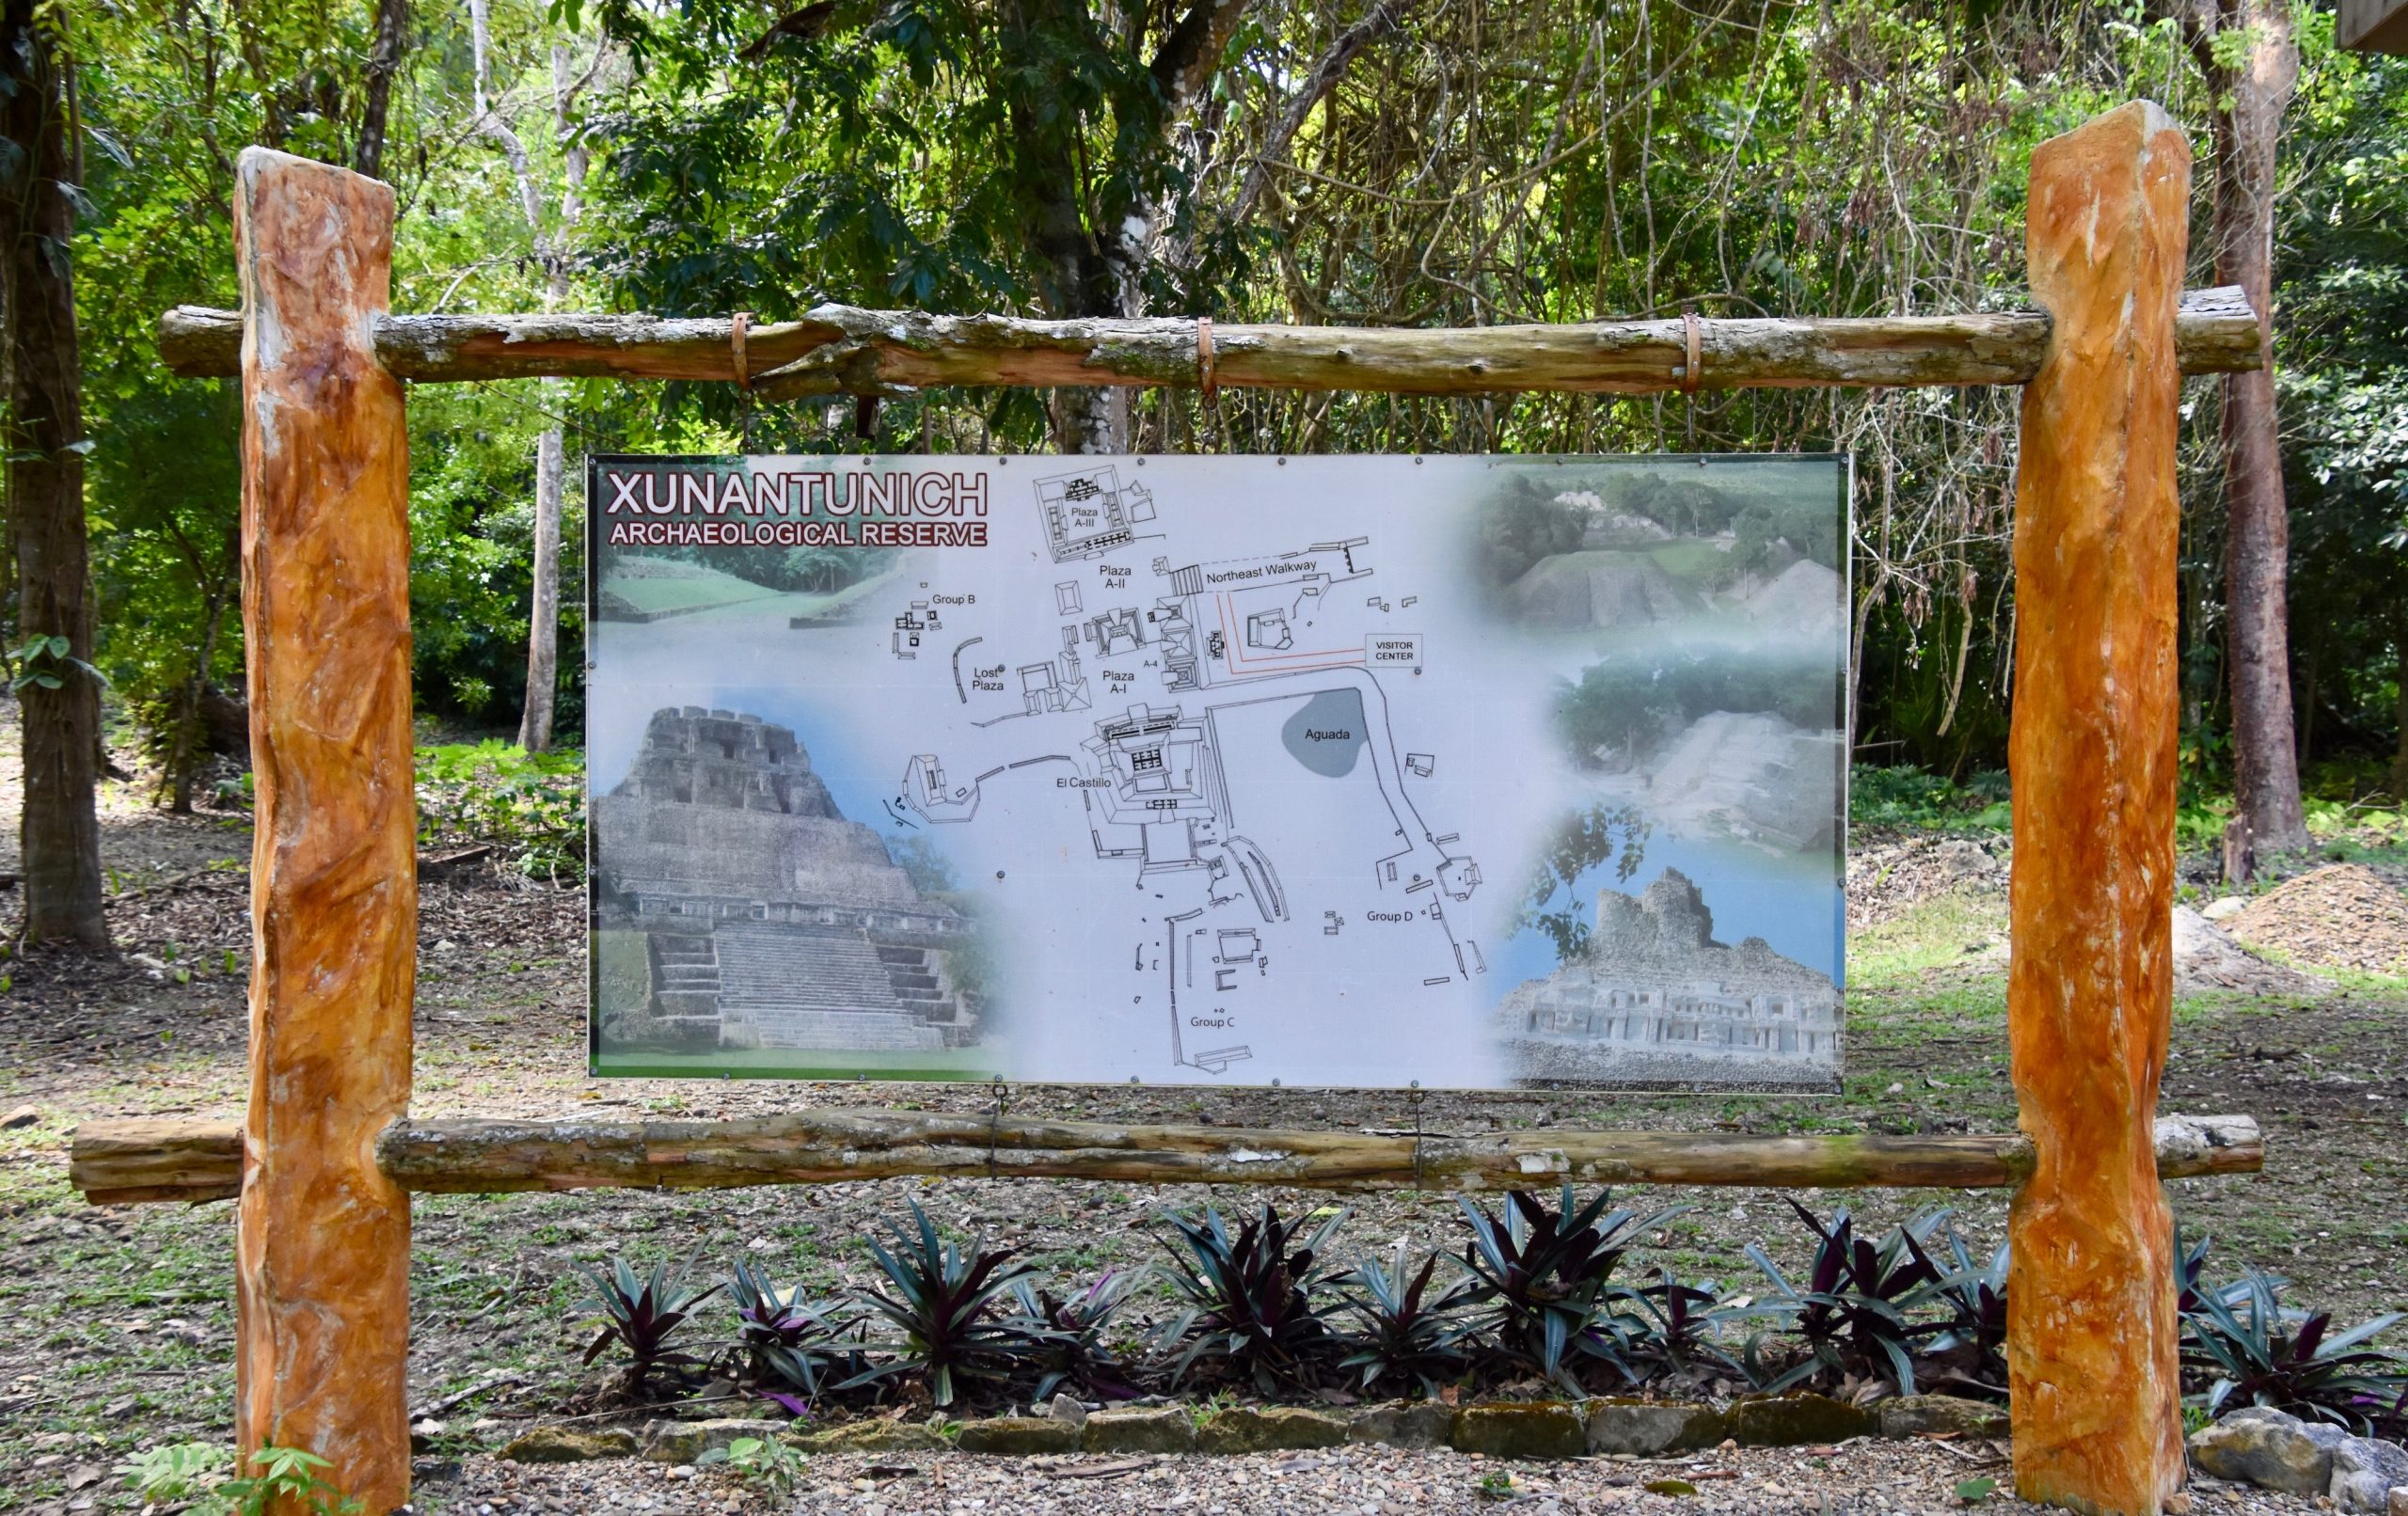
(737, 914)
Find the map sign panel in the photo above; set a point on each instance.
(1472, 772)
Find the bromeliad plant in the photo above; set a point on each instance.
(1406, 1332)
(1677, 1329)
(1065, 1337)
(1852, 1314)
(788, 1348)
(1250, 1301)
(2254, 1350)
(1544, 1275)
(641, 1314)
(2190, 1274)
(943, 1305)
(1971, 1344)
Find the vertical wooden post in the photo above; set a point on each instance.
(2091, 1337)
(323, 1280)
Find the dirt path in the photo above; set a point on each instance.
(118, 1323)
(1859, 1478)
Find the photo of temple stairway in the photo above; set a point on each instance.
(737, 908)
(817, 987)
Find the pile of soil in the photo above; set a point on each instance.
(2341, 917)
(1890, 876)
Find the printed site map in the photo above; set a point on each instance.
(1204, 769)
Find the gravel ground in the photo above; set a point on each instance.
(1860, 1476)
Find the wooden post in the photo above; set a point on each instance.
(324, 1250)
(2091, 1335)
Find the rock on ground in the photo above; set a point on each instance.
(2269, 1449)
(2366, 1472)
(2275, 1450)
(2207, 959)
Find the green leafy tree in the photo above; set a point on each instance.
(1552, 903)
(1522, 524)
(2344, 329)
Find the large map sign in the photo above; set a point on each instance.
(1467, 772)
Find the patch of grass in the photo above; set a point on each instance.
(1931, 934)
(2215, 1005)
(2367, 984)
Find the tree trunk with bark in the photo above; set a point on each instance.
(1095, 266)
(60, 698)
(2252, 95)
(544, 615)
(384, 62)
(543, 608)
(2400, 677)
(194, 742)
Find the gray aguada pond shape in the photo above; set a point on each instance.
(1326, 732)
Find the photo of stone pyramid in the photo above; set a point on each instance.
(745, 911)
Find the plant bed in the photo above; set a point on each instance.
(1273, 1342)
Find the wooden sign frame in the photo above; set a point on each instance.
(325, 1158)
(2373, 25)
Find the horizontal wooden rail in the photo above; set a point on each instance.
(126, 1163)
(842, 349)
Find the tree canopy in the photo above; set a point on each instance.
(1409, 161)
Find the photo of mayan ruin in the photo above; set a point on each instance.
(1655, 999)
(737, 909)
(1693, 613)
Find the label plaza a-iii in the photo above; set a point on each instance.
(1370, 771)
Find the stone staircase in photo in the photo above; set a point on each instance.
(912, 977)
(685, 978)
(826, 990)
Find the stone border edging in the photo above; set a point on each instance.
(1518, 1429)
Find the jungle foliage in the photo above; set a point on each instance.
(1400, 162)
